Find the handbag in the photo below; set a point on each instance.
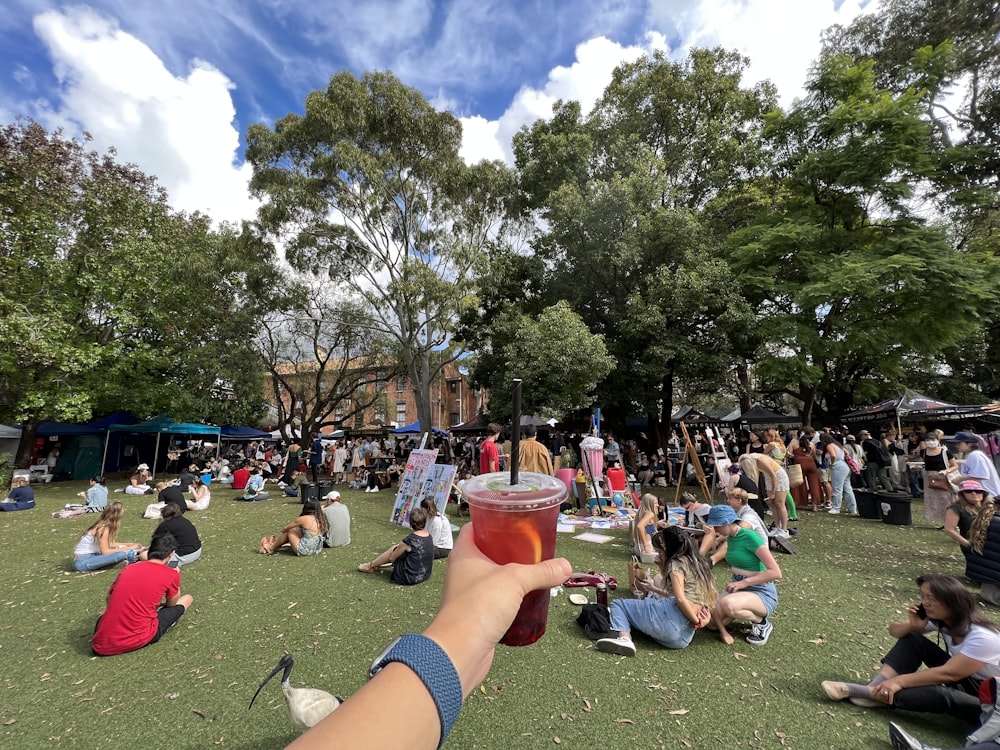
(938, 481)
(851, 463)
(795, 477)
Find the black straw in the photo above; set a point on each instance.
(515, 438)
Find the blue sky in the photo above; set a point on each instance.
(173, 84)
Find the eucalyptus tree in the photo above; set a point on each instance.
(366, 189)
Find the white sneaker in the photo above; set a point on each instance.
(374, 489)
(834, 511)
(620, 646)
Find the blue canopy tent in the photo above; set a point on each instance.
(163, 425)
(233, 433)
(80, 453)
(414, 428)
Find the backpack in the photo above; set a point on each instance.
(595, 621)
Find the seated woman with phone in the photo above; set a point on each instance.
(969, 654)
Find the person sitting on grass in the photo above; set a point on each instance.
(986, 737)
(304, 535)
(644, 526)
(96, 495)
(201, 496)
(751, 594)
(295, 482)
(412, 559)
(99, 546)
(255, 487)
(439, 527)
(21, 496)
(188, 545)
(144, 602)
(715, 546)
(338, 521)
(678, 601)
(970, 654)
(138, 483)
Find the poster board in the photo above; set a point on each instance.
(422, 478)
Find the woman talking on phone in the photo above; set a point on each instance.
(969, 652)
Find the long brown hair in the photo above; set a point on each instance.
(952, 594)
(676, 545)
(981, 525)
(312, 508)
(111, 519)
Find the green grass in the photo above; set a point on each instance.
(191, 690)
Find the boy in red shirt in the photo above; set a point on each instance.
(489, 456)
(144, 602)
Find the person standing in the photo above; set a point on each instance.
(877, 461)
(144, 602)
(315, 458)
(977, 466)
(489, 456)
(340, 459)
(533, 455)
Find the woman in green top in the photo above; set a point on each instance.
(751, 595)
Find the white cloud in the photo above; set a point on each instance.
(180, 129)
(781, 38)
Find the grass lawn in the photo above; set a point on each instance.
(191, 690)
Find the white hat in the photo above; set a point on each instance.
(143, 466)
(332, 495)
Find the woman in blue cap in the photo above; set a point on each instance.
(751, 595)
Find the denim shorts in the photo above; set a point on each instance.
(766, 592)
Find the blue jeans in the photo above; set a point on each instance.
(87, 563)
(840, 478)
(659, 618)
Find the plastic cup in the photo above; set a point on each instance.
(517, 524)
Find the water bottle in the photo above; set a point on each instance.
(602, 593)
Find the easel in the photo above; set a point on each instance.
(691, 454)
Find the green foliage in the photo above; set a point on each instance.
(841, 265)
(367, 188)
(109, 300)
(557, 358)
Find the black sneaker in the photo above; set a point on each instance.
(760, 632)
(903, 740)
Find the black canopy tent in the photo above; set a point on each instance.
(761, 415)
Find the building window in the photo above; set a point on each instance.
(401, 412)
(455, 419)
(453, 386)
(401, 383)
(381, 381)
(379, 414)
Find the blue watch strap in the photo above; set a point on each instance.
(434, 668)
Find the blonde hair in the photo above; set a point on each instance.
(749, 466)
(739, 493)
(111, 519)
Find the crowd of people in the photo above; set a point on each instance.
(669, 607)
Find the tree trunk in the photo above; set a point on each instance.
(420, 377)
(23, 458)
(808, 395)
(666, 408)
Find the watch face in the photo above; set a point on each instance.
(377, 665)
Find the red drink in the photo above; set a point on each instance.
(517, 524)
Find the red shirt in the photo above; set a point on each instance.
(130, 620)
(240, 478)
(489, 457)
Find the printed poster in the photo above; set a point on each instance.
(422, 478)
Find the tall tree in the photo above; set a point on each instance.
(620, 193)
(844, 256)
(367, 188)
(105, 299)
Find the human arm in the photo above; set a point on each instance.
(951, 527)
(302, 521)
(108, 545)
(697, 614)
(913, 624)
(771, 571)
(478, 604)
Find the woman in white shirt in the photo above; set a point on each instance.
(966, 653)
(201, 496)
(439, 527)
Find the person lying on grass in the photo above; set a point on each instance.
(99, 546)
(144, 602)
(412, 559)
(950, 684)
(304, 535)
(677, 602)
(751, 595)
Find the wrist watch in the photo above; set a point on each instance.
(434, 668)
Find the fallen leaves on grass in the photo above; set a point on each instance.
(624, 721)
